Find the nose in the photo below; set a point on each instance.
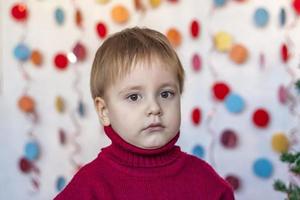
(154, 108)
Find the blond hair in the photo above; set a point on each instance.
(119, 54)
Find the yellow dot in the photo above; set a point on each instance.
(102, 1)
(223, 41)
(120, 14)
(60, 104)
(280, 143)
(155, 3)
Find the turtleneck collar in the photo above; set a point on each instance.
(127, 154)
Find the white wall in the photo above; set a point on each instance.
(257, 86)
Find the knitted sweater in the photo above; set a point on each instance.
(123, 171)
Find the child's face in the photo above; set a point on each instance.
(146, 96)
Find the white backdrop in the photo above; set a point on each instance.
(257, 86)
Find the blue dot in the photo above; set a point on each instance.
(59, 16)
(219, 3)
(60, 183)
(263, 168)
(81, 109)
(234, 103)
(261, 17)
(198, 151)
(282, 17)
(32, 150)
(21, 52)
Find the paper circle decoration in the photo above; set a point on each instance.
(196, 62)
(195, 28)
(26, 104)
(120, 14)
(80, 51)
(263, 168)
(219, 3)
(296, 6)
(101, 30)
(60, 183)
(261, 17)
(234, 103)
(59, 15)
(22, 52)
(229, 139)
(238, 54)
(36, 57)
(174, 37)
(223, 41)
(220, 90)
(32, 150)
(61, 61)
(280, 143)
(155, 3)
(198, 151)
(234, 181)
(25, 165)
(196, 116)
(19, 12)
(261, 118)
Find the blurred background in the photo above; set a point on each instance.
(240, 106)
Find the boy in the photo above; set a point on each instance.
(136, 83)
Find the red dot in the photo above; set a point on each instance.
(101, 30)
(195, 29)
(233, 181)
(296, 6)
(25, 165)
(196, 116)
(220, 90)
(284, 53)
(261, 118)
(61, 61)
(19, 12)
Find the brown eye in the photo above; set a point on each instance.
(133, 97)
(166, 94)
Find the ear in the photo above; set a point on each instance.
(102, 111)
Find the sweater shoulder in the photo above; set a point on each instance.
(213, 181)
(83, 184)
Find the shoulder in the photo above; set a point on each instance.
(212, 180)
(83, 184)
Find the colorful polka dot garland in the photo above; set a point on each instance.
(223, 41)
(174, 37)
(61, 61)
(59, 15)
(195, 29)
(32, 150)
(196, 62)
(60, 183)
(238, 54)
(234, 181)
(22, 52)
(120, 14)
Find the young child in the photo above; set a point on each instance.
(136, 83)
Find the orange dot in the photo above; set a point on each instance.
(26, 104)
(36, 57)
(174, 37)
(120, 14)
(238, 54)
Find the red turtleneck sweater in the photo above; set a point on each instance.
(123, 171)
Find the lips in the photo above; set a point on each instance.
(154, 127)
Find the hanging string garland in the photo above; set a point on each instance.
(26, 103)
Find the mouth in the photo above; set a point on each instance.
(154, 127)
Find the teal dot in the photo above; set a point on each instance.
(60, 183)
(234, 103)
(219, 3)
(32, 150)
(198, 151)
(21, 52)
(59, 16)
(261, 17)
(263, 168)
